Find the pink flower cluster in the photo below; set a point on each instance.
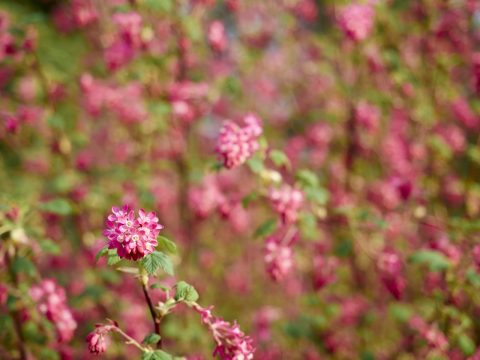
(237, 144)
(287, 202)
(434, 337)
(127, 40)
(278, 258)
(133, 237)
(324, 271)
(217, 37)
(97, 340)
(390, 266)
(232, 343)
(367, 116)
(52, 303)
(126, 102)
(356, 21)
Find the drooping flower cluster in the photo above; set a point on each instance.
(217, 37)
(356, 21)
(434, 337)
(232, 343)
(97, 340)
(390, 266)
(52, 303)
(324, 271)
(127, 41)
(287, 202)
(133, 237)
(126, 102)
(278, 258)
(237, 144)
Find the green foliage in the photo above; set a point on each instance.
(266, 228)
(57, 206)
(166, 245)
(151, 339)
(157, 260)
(185, 292)
(156, 355)
(433, 259)
(112, 257)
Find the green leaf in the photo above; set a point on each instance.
(466, 344)
(112, 257)
(57, 206)
(279, 158)
(248, 199)
(435, 260)
(49, 247)
(23, 265)
(307, 178)
(102, 252)
(167, 245)
(255, 164)
(185, 291)
(267, 228)
(156, 260)
(156, 355)
(473, 277)
(319, 195)
(151, 339)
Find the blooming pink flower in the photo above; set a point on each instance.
(356, 21)
(52, 303)
(216, 36)
(367, 116)
(278, 258)
(237, 144)
(232, 343)
(287, 202)
(84, 12)
(434, 337)
(133, 237)
(324, 271)
(97, 341)
(390, 266)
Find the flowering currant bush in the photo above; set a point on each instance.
(315, 162)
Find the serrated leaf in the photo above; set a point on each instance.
(151, 339)
(435, 260)
(157, 260)
(267, 228)
(167, 245)
(185, 292)
(112, 257)
(102, 252)
(57, 206)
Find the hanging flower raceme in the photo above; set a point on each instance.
(278, 258)
(217, 37)
(287, 202)
(232, 343)
(356, 21)
(390, 266)
(52, 303)
(97, 340)
(132, 236)
(237, 144)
